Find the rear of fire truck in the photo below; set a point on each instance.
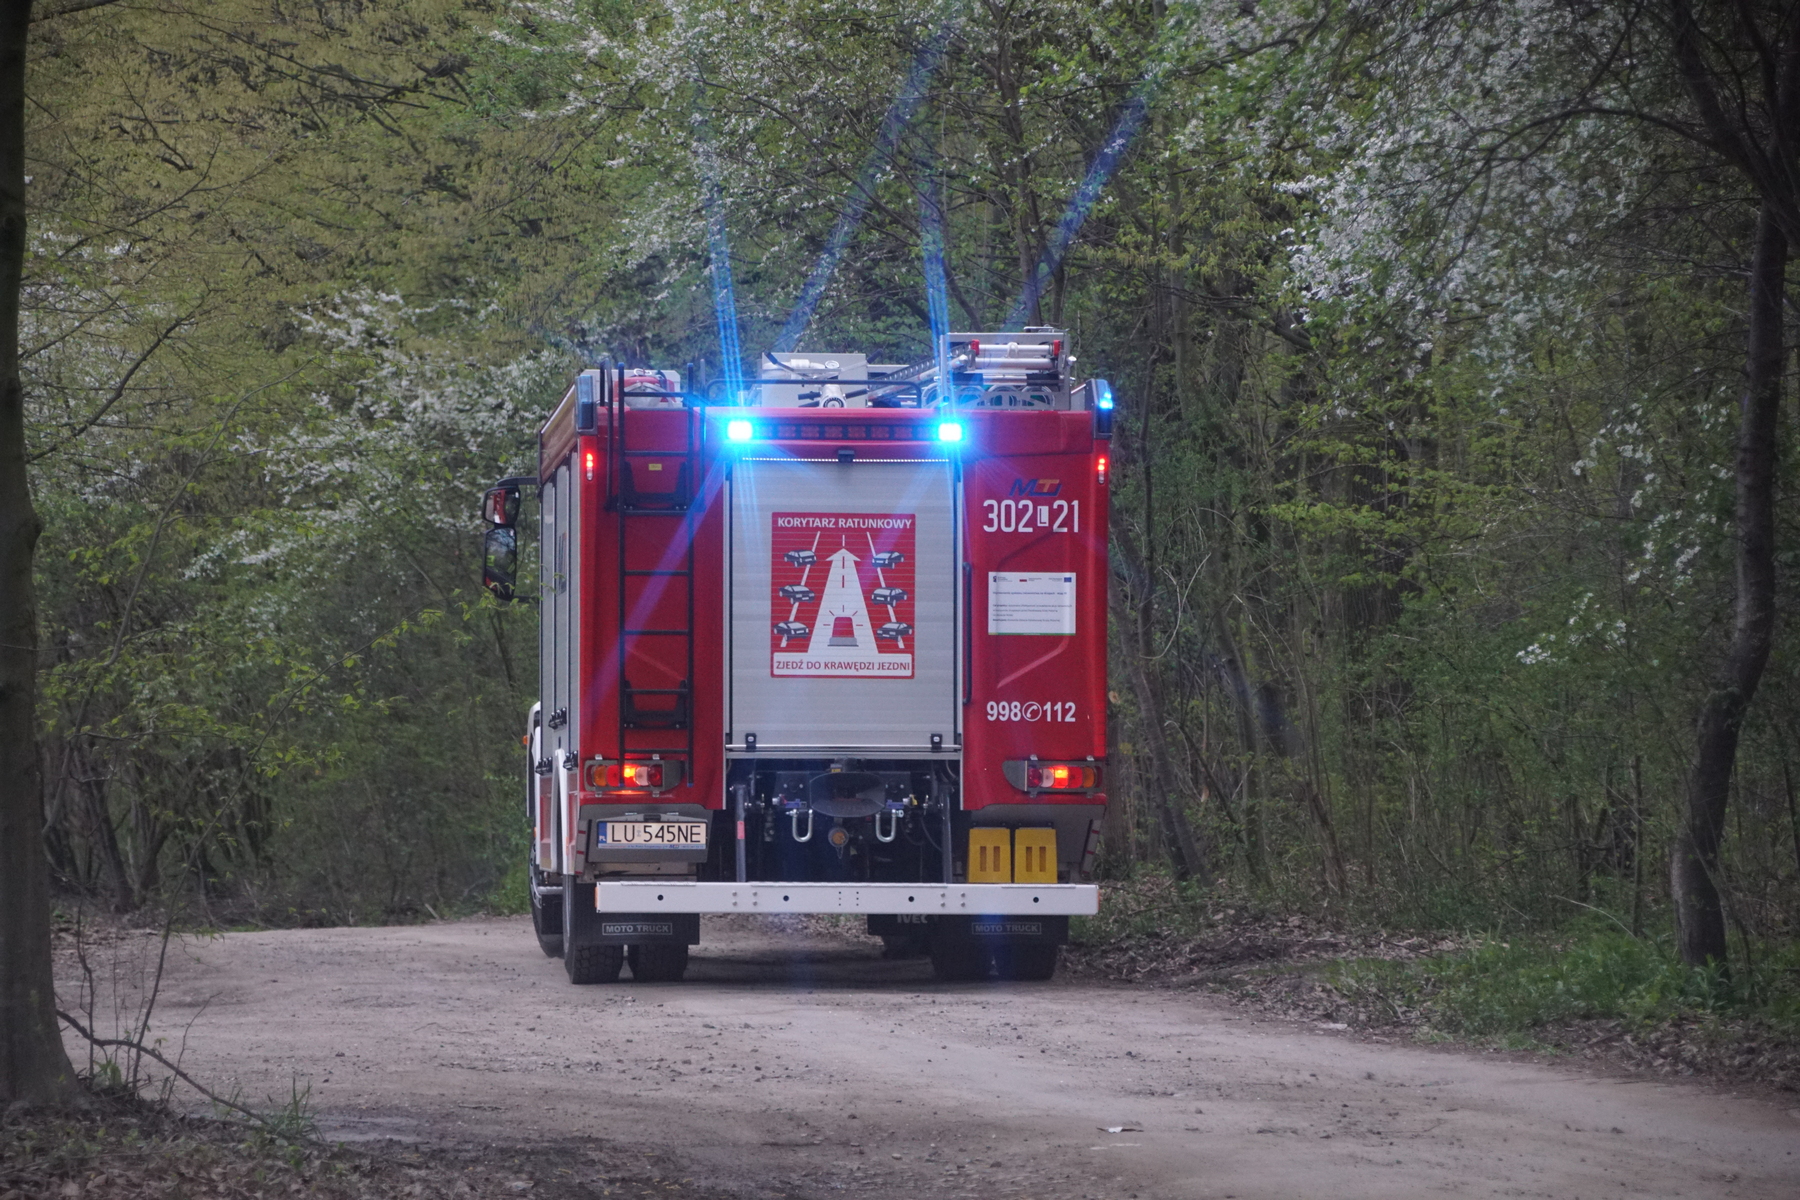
(836, 647)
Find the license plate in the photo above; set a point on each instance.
(652, 833)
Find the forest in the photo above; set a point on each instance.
(1454, 522)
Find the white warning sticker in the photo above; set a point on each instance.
(1041, 603)
(842, 601)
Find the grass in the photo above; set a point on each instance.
(118, 1146)
(1582, 985)
(1507, 989)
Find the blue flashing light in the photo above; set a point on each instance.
(950, 431)
(739, 431)
(1103, 408)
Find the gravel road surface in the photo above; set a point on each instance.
(800, 1064)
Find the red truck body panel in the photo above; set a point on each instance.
(1035, 502)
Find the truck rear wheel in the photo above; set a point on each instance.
(546, 918)
(584, 957)
(593, 964)
(1027, 961)
(903, 945)
(959, 962)
(658, 962)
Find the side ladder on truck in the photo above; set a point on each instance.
(656, 544)
(654, 458)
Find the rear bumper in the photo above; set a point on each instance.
(935, 899)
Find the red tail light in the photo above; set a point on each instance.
(656, 775)
(1061, 775)
(587, 461)
(1100, 468)
(1030, 775)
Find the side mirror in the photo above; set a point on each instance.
(501, 505)
(500, 558)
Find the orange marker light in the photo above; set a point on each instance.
(587, 461)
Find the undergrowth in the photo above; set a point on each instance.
(1515, 986)
(1585, 985)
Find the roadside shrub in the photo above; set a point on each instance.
(512, 895)
(1511, 987)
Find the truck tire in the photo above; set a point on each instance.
(584, 958)
(958, 961)
(904, 945)
(1026, 961)
(658, 962)
(593, 964)
(546, 920)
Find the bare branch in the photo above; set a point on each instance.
(138, 1047)
(119, 389)
(70, 9)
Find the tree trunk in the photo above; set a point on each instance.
(1016, 167)
(33, 1065)
(1694, 865)
(102, 835)
(1279, 735)
(1231, 665)
(1186, 858)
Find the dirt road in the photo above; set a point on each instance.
(807, 1067)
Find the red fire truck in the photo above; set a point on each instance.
(833, 644)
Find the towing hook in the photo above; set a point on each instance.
(893, 831)
(794, 818)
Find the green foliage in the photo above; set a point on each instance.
(285, 1123)
(1510, 988)
(512, 895)
(1421, 480)
(272, 676)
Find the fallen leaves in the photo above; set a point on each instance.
(124, 1150)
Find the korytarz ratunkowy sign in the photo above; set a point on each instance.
(841, 599)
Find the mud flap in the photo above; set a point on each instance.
(884, 925)
(1019, 948)
(640, 929)
(903, 935)
(1048, 931)
(582, 926)
(1041, 931)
